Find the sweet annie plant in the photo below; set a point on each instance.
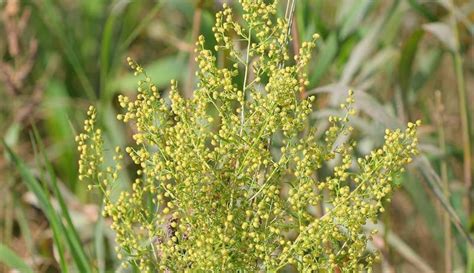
(230, 179)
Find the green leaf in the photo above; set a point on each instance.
(143, 23)
(418, 7)
(326, 56)
(407, 57)
(161, 71)
(12, 133)
(22, 219)
(429, 64)
(377, 64)
(12, 260)
(56, 119)
(361, 52)
(106, 52)
(355, 17)
(52, 17)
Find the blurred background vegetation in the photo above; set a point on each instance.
(405, 59)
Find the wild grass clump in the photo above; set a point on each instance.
(230, 179)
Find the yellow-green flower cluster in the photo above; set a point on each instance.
(89, 144)
(235, 178)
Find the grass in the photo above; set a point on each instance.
(12, 260)
(394, 54)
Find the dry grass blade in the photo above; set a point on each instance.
(401, 248)
(435, 185)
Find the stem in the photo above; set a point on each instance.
(296, 49)
(457, 62)
(188, 90)
(444, 177)
(349, 197)
(464, 122)
(289, 17)
(247, 58)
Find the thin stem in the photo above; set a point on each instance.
(247, 59)
(457, 62)
(188, 90)
(464, 122)
(342, 202)
(444, 178)
(290, 9)
(296, 49)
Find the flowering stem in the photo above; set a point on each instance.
(242, 110)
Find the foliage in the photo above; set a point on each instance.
(228, 179)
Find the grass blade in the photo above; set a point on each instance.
(51, 17)
(143, 23)
(72, 236)
(12, 260)
(443, 33)
(408, 54)
(435, 184)
(60, 232)
(402, 248)
(34, 186)
(99, 244)
(105, 52)
(357, 12)
(326, 57)
(418, 7)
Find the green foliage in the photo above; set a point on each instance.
(64, 234)
(241, 191)
(8, 257)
